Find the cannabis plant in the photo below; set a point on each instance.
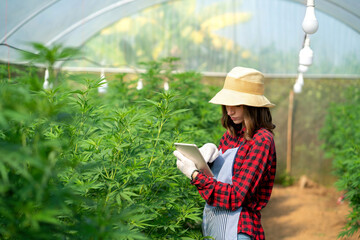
(49, 56)
(342, 140)
(79, 165)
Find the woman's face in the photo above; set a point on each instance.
(236, 113)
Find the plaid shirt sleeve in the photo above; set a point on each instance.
(252, 181)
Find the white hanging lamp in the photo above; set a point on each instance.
(140, 84)
(297, 88)
(299, 83)
(300, 79)
(310, 24)
(166, 86)
(46, 84)
(303, 68)
(306, 53)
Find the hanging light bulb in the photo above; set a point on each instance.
(166, 86)
(103, 88)
(297, 87)
(46, 84)
(139, 84)
(310, 24)
(299, 83)
(306, 54)
(302, 68)
(300, 79)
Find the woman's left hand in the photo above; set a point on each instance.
(209, 151)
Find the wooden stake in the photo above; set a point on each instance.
(289, 132)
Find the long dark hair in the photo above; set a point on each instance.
(254, 119)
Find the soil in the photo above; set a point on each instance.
(305, 213)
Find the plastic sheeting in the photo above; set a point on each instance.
(207, 35)
(69, 22)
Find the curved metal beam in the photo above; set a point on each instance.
(87, 19)
(27, 19)
(143, 4)
(346, 12)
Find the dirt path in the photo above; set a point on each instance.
(295, 213)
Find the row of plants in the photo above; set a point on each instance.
(341, 137)
(76, 164)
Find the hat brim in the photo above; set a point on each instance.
(229, 97)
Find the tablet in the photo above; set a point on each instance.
(192, 152)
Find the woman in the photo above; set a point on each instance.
(244, 164)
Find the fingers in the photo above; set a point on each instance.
(181, 159)
(178, 154)
(207, 156)
(214, 158)
(185, 161)
(209, 146)
(209, 152)
(186, 166)
(179, 164)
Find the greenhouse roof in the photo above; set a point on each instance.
(76, 22)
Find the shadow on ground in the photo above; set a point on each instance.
(271, 218)
(295, 213)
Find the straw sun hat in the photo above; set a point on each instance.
(243, 86)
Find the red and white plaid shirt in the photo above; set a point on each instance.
(252, 181)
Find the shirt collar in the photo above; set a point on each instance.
(241, 131)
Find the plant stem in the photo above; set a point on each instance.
(156, 142)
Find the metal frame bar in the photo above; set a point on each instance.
(98, 13)
(211, 74)
(88, 18)
(27, 19)
(337, 11)
(344, 12)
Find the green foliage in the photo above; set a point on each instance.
(48, 56)
(285, 179)
(79, 165)
(342, 140)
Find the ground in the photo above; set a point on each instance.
(305, 213)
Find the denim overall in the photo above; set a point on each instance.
(220, 223)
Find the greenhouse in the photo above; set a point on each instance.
(94, 95)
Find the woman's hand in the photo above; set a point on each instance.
(185, 165)
(209, 151)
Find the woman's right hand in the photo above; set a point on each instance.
(210, 152)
